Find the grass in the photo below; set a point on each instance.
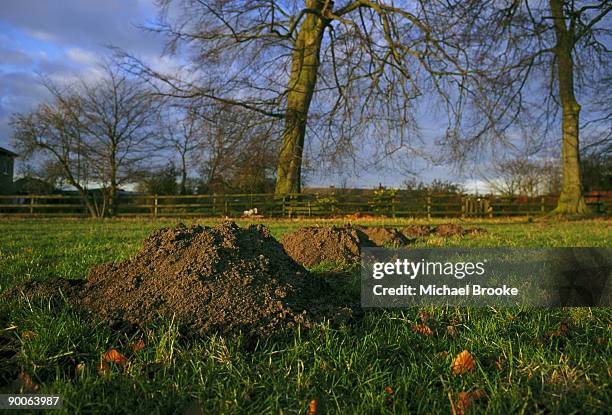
(527, 360)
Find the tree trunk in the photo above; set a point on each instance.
(112, 191)
(183, 185)
(302, 82)
(571, 201)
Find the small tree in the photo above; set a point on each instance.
(160, 181)
(53, 131)
(98, 133)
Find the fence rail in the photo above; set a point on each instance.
(403, 204)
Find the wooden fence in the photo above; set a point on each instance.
(403, 204)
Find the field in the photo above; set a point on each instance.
(527, 360)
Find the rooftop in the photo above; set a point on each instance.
(4, 151)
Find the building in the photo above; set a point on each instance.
(7, 163)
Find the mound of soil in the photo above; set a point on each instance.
(311, 246)
(416, 231)
(451, 229)
(221, 280)
(385, 236)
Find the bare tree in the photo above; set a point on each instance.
(536, 58)
(523, 177)
(340, 71)
(181, 129)
(98, 132)
(237, 148)
(118, 118)
(53, 131)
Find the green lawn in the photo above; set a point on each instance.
(527, 360)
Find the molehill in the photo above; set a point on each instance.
(220, 279)
(311, 246)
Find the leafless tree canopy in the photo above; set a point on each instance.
(99, 133)
(374, 61)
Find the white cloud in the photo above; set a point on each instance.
(82, 56)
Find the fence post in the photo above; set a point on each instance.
(393, 206)
(309, 209)
(428, 206)
(463, 204)
(542, 205)
(225, 205)
(155, 202)
(31, 205)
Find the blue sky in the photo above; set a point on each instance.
(65, 39)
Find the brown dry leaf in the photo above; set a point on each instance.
(115, 357)
(138, 346)
(451, 331)
(422, 329)
(424, 316)
(442, 354)
(27, 382)
(390, 394)
(465, 400)
(28, 334)
(463, 362)
(463, 403)
(312, 407)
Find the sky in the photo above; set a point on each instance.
(66, 39)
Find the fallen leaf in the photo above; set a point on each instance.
(422, 329)
(463, 403)
(390, 390)
(463, 362)
(442, 354)
(115, 357)
(28, 334)
(138, 346)
(27, 382)
(312, 407)
(451, 331)
(465, 400)
(424, 316)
